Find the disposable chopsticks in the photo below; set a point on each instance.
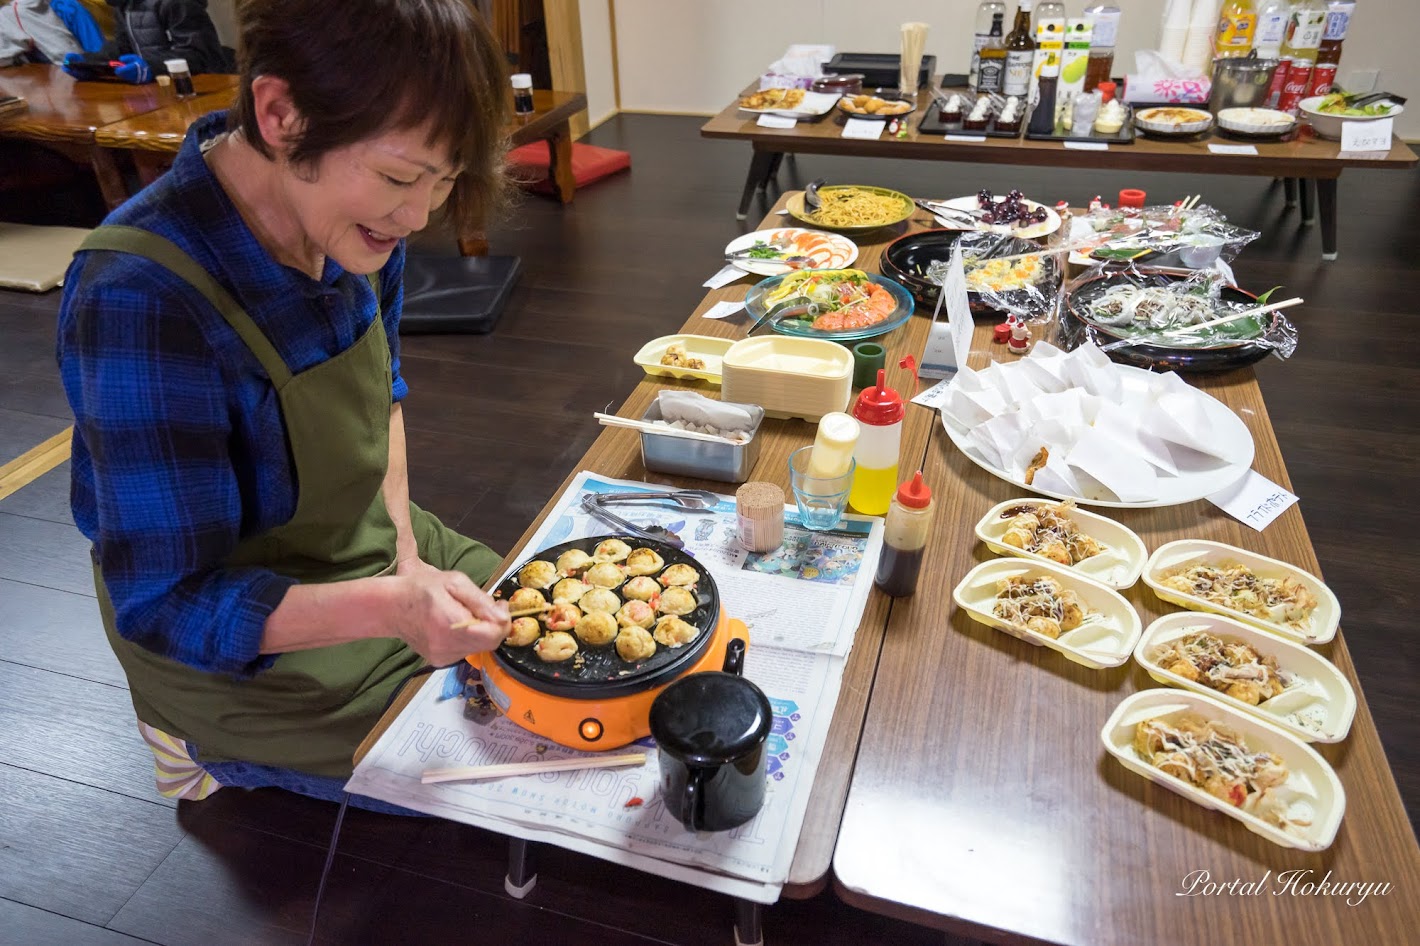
(611, 420)
(476, 772)
(1188, 329)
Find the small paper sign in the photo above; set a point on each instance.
(1254, 500)
(862, 128)
(963, 137)
(1232, 149)
(933, 396)
(776, 121)
(721, 309)
(1086, 146)
(949, 342)
(1367, 136)
(723, 278)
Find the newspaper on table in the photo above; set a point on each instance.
(802, 604)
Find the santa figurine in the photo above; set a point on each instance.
(1020, 341)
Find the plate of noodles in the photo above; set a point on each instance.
(853, 208)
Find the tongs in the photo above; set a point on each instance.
(942, 212)
(689, 500)
(1362, 99)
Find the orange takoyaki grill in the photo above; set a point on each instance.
(597, 700)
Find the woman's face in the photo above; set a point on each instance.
(362, 199)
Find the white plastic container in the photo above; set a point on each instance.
(788, 377)
(1320, 704)
(1175, 556)
(1118, 566)
(1105, 640)
(1312, 790)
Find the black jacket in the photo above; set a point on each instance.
(159, 30)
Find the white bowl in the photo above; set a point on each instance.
(1159, 126)
(1255, 121)
(1329, 126)
(1105, 641)
(1118, 566)
(1311, 789)
(1320, 704)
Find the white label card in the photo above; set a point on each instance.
(1254, 500)
(934, 396)
(963, 137)
(724, 277)
(1232, 149)
(1367, 136)
(862, 128)
(721, 309)
(776, 121)
(949, 342)
(1087, 146)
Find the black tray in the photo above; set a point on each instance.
(1125, 135)
(878, 69)
(934, 124)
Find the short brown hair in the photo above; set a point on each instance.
(359, 69)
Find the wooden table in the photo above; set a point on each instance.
(65, 114)
(983, 803)
(616, 452)
(1309, 158)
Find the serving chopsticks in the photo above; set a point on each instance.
(646, 426)
(1189, 329)
(507, 770)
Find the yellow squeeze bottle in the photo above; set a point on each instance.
(879, 411)
(833, 445)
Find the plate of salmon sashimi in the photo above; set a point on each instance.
(836, 304)
(786, 249)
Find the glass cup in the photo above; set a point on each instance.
(821, 499)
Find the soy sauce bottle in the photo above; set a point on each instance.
(909, 519)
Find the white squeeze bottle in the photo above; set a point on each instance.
(832, 454)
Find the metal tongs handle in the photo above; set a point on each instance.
(693, 500)
(591, 505)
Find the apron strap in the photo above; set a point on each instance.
(167, 254)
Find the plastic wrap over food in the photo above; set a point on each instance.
(1007, 274)
(1160, 236)
(1144, 306)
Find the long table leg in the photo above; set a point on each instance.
(758, 176)
(560, 144)
(1289, 191)
(1326, 202)
(111, 184)
(522, 874)
(1306, 189)
(748, 931)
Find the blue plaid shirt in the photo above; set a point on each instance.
(179, 447)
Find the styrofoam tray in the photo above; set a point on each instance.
(1118, 566)
(1106, 640)
(1176, 555)
(788, 377)
(1312, 790)
(1318, 707)
(705, 347)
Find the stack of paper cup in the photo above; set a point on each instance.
(1175, 29)
(1198, 46)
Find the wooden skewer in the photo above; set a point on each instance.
(473, 773)
(526, 612)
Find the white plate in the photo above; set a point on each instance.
(829, 250)
(705, 347)
(1142, 120)
(1175, 555)
(1118, 566)
(1318, 707)
(813, 105)
(1051, 224)
(1207, 476)
(1105, 641)
(1312, 789)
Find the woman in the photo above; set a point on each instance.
(229, 345)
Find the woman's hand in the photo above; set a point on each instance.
(432, 601)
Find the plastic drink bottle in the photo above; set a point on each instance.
(879, 413)
(1271, 28)
(904, 537)
(1104, 31)
(1328, 54)
(984, 16)
(1304, 31)
(1237, 24)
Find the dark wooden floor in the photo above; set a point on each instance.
(88, 852)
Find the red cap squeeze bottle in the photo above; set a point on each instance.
(909, 521)
(879, 413)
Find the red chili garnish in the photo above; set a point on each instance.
(636, 802)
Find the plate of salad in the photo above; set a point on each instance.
(777, 252)
(836, 304)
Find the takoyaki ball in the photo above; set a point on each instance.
(641, 588)
(636, 614)
(556, 647)
(525, 599)
(1072, 614)
(1046, 626)
(597, 627)
(537, 574)
(572, 561)
(605, 575)
(635, 643)
(611, 550)
(671, 631)
(524, 632)
(1056, 552)
(569, 591)
(679, 576)
(563, 617)
(644, 562)
(676, 601)
(600, 599)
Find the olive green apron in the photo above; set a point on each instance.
(311, 708)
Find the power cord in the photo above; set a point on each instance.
(340, 815)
